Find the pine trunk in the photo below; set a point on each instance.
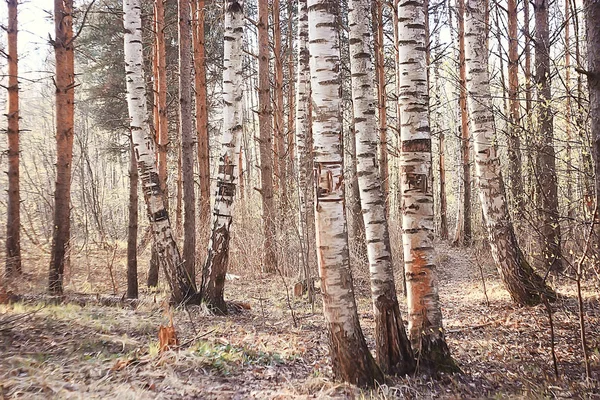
(351, 360)
(394, 353)
(266, 139)
(568, 115)
(13, 215)
(182, 288)
(65, 99)
(217, 261)
(424, 313)
(523, 284)
(132, 232)
(548, 184)
(280, 151)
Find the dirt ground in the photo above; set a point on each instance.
(277, 349)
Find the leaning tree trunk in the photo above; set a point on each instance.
(132, 231)
(215, 268)
(266, 140)
(424, 312)
(303, 153)
(394, 353)
(548, 181)
(188, 138)
(351, 360)
(13, 215)
(65, 100)
(182, 288)
(523, 284)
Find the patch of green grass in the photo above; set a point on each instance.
(225, 357)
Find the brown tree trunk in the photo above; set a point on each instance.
(65, 98)
(280, 153)
(266, 132)
(13, 215)
(548, 185)
(291, 132)
(132, 276)
(568, 113)
(188, 138)
(381, 100)
(514, 122)
(198, 13)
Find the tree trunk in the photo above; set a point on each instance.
(266, 134)
(182, 288)
(188, 138)
(303, 150)
(548, 190)
(198, 13)
(463, 234)
(394, 353)
(65, 98)
(215, 268)
(568, 116)
(13, 215)
(424, 313)
(280, 151)
(381, 100)
(523, 284)
(132, 276)
(351, 360)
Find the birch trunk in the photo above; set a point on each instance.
(266, 139)
(217, 259)
(303, 149)
(394, 353)
(523, 284)
(65, 109)
(13, 215)
(351, 360)
(182, 288)
(424, 313)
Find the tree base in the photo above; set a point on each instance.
(433, 355)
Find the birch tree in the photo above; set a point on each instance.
(351, 360)
(182, 288)
(523, 284)
(394, 353)
(215, 268)
(424, 314)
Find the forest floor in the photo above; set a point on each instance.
(84, 349)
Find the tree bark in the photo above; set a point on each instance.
(381, 100)
(424, 313)
(215, 268)
(132, 232)
(523, 284)
(65, 99)
(280, 150)
(186, 130)
(182, 288)
(568, 114)
(198, 13)
(394, 353)
(351, 360)
(13, 214)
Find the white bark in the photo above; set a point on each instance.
(218, 248)
(143, 144)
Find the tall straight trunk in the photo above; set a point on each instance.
(13, 215)
(463, 234)
(161, 125)
(568, 113)
(217, 260)
(186, 130)
(265, 112)
(358, 222)
(198, 13)
(394, 353)
(548, 183)
(182, 288)
(523, 284)
(179, 190)
(592, 14)
(514, 121)
(132, 231)
(291, 119)
(424, 313)
(65, 101)
(381, 99)
(303, 149)
(351, 360)
(280, 151)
